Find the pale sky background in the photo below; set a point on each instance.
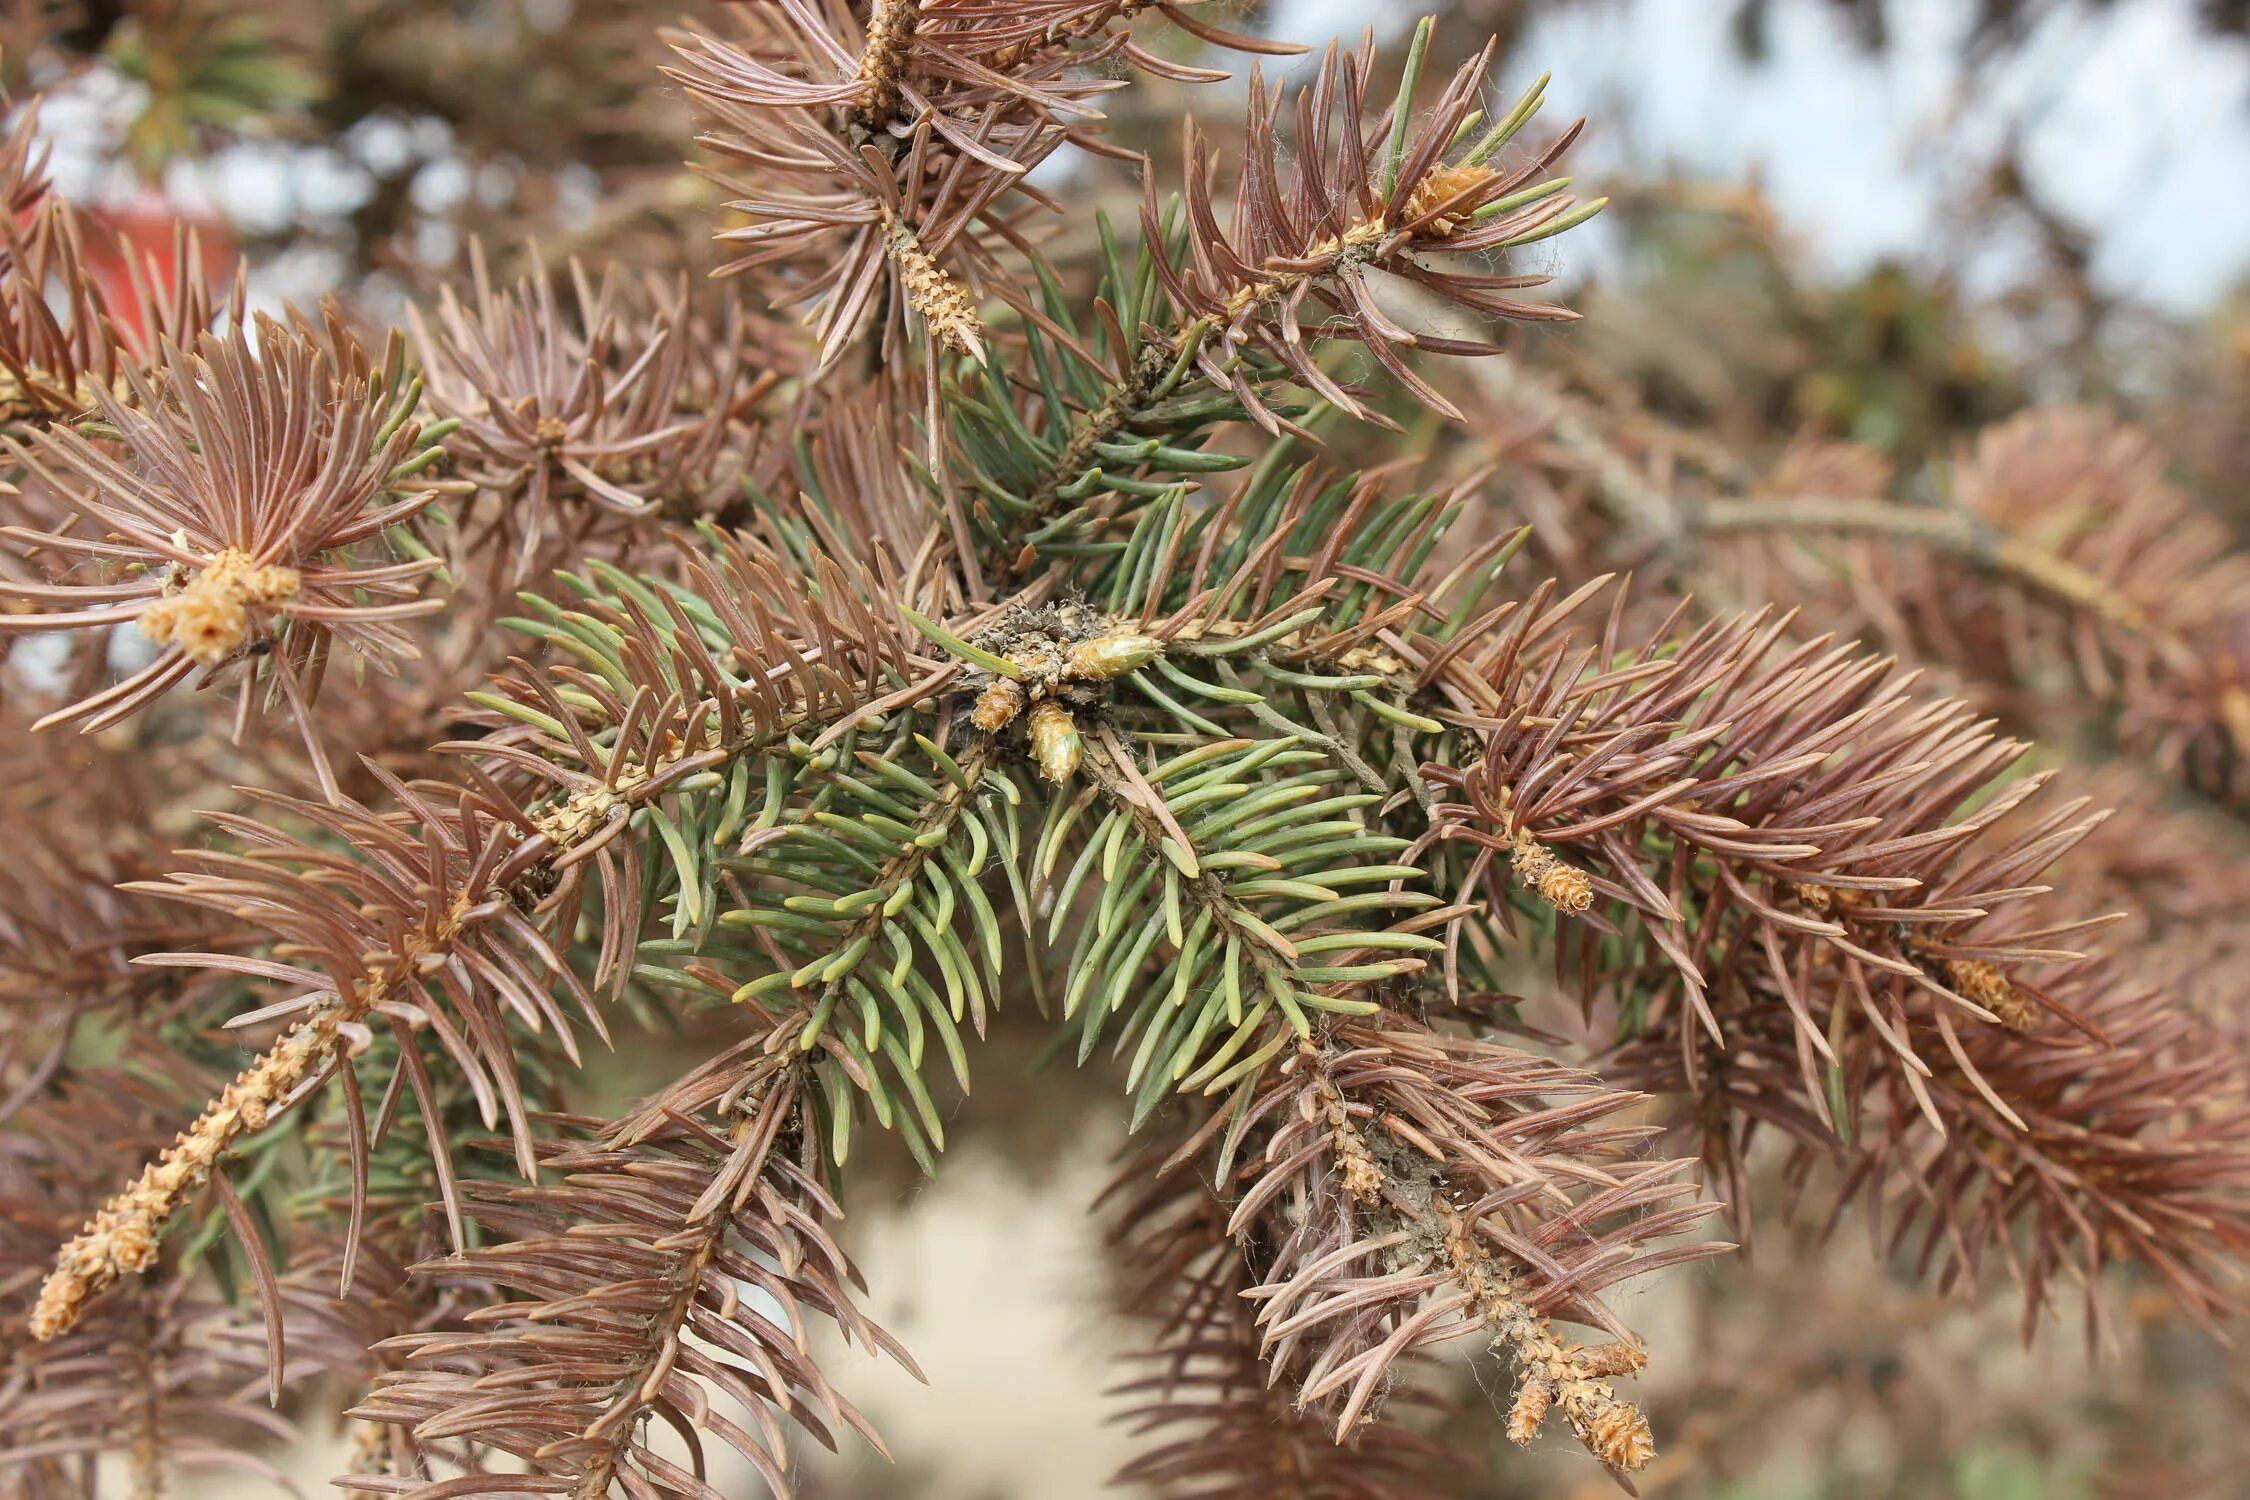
(2130, 119)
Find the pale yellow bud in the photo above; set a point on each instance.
(210, 619)
(1054, 741)
(1107, 656)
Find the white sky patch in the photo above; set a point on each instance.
(2130, 121)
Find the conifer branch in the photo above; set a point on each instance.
(1955, 533)
(1007, 602)
(472, 898)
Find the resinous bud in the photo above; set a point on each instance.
(1054, 741)
(997, 706)
(1107, 656)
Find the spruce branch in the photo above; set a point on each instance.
(1305, 235)
(466, 876)
(578, 418)
(152, 1378)
(632, 1324)
(1034, 616)
(1415, 1187)
(250, 522)
(1225, 1426)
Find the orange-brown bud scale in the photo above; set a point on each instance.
(1440, 186)
(1620, 1436)
(882, 67)
(1528, 1413)
(1615, 1358)
(1363, 1178)
(1561, 885)
(997, 706)
(1983, 982)
(943, 303)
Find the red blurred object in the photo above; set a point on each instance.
(130, 257)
